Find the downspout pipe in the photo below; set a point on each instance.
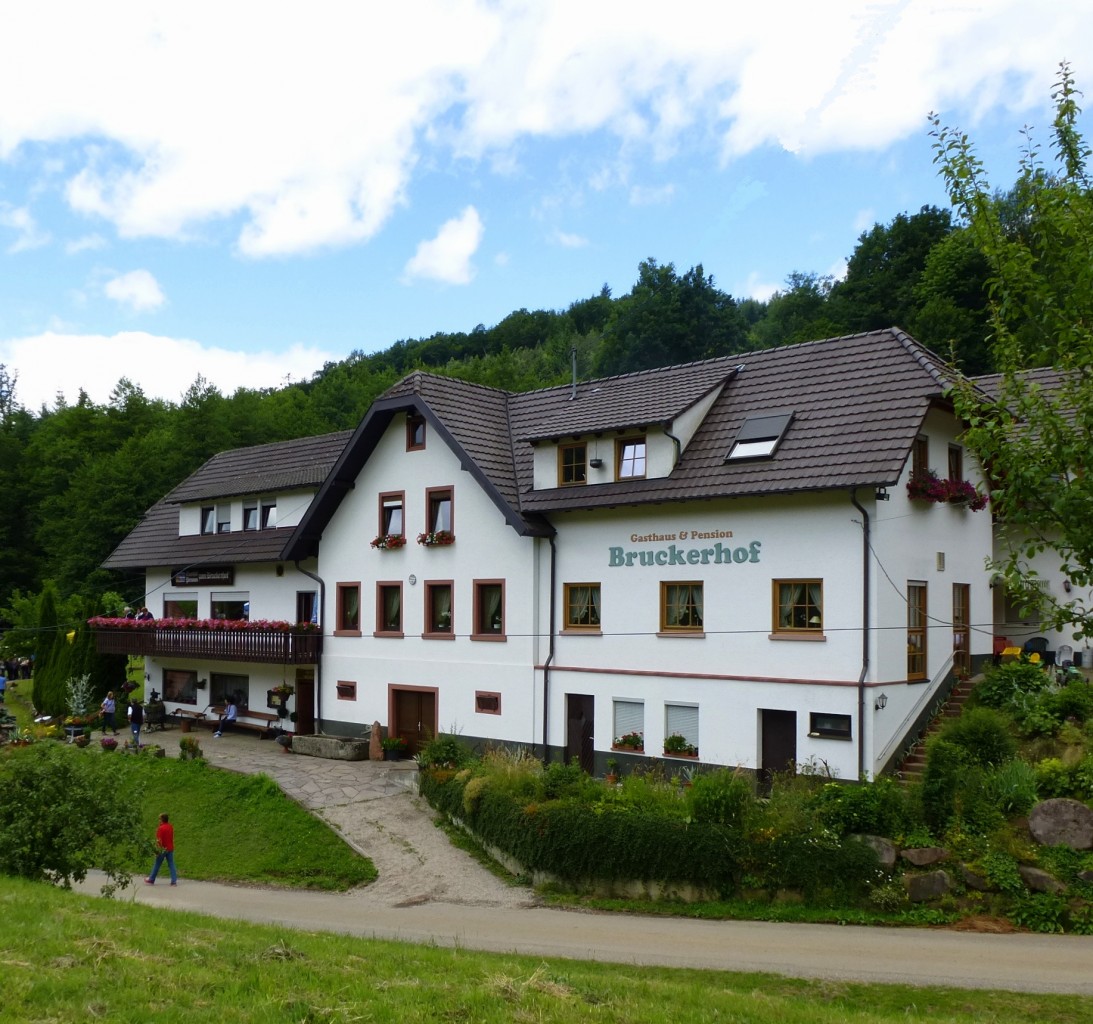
(550, 651)
(865, 630)
(319, 663)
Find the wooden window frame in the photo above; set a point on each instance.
(382, 629)
(962, 628)
(829, 731)
(485, 697)
(383, 499)
(439, 493)
(339, 615)
(478, 586)
(956, 462)
(414, 421)
(620, 449)
(436, 634)
(917, 612)
(677, 630)
(568, 468)
(346, 689)
(569, 626)
(920, 455)
(814, 631)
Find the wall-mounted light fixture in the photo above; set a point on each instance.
(881, 494)
(413, 579)
(1066, 586)
(882, 702)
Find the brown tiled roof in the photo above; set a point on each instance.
(858, 403)
(616, 403)
(264, 469)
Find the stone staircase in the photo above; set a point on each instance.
(913, 765)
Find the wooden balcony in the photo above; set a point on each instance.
(264, 646)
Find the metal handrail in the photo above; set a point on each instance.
(904, 727)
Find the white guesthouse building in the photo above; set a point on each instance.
(723, 551)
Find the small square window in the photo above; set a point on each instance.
(835, 727)
(346, 690)
(582, 606)
(681, 607)
(487, 703)
(798, 606)
(572, 464)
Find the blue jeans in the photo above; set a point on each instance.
(163, 855)
(136, 734)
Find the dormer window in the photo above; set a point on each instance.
(572, 464)
(630, 458)
(269, 514)
(250, 517)
(208, 519)
(760, 436)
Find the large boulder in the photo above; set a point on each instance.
(1062, 822)
(929, 885)
(923, 856)
(1038, 880)
(885, 849)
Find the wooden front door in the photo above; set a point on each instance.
(580, 733)
(779, 744)
(413, 717)
(305, 702)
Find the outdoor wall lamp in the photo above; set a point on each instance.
(881, 494)
(882, 702)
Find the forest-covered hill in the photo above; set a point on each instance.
(76, 478)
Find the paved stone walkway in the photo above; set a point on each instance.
(375, 807)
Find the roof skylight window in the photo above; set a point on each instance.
(760, 436)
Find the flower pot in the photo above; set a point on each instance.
(184, 725)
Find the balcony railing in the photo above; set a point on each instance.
(253, 643)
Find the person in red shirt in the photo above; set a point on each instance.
(165, 844)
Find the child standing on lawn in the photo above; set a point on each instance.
(165, 844)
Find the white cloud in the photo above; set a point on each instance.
(138, 291)
(757, 288)
(52, 363)
(568, 240)
(305, 132)
(447, 257)
(85, 243)
(20, 220)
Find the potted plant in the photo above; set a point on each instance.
(436, 538)
(677, 746)
(394, 747)
(108, 743)
(82, 739)
(389, 541)
(630, 741)
(189, 749)
(612, 775)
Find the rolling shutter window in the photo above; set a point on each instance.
(629, 717)
(681, 719)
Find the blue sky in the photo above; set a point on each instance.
(246, 191)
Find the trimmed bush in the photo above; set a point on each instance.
(983, 735)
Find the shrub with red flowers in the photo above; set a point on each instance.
(928, 486)
(436, 538)
(389, 541)
(224, 625)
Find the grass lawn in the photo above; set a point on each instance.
(72, 957)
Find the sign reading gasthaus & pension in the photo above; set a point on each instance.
(676, 554)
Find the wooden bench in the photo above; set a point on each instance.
(263, 720)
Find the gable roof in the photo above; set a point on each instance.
(266, 469)
(858, 403)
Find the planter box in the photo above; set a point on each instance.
(336, 748)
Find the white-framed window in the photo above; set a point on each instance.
(250, 517)
(223, 519)
(628, 720)
(208, 519)
(269, 513)
(682, 720)
(233, 605)
(630, 458)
